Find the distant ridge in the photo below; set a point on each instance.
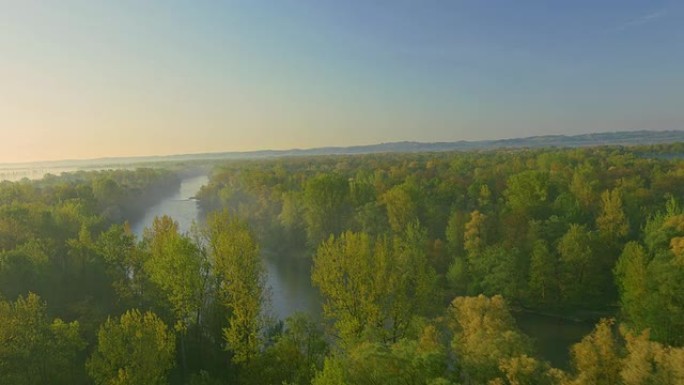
(583, 140)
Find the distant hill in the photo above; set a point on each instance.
(598, 139)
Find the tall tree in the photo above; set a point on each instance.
(631, 272)
(651, 279)
(580, 274)
(181, 270)
(136, 349)
(484, 333)
(402, 208)
(543, 284)
(374, 288)
(613, 226)
(117, 246)
(241, 275)
(612, 222)
(409, 281)
(344, 269)
(474, 238)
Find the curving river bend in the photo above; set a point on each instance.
(289, 282)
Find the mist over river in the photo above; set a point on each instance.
(289, 281)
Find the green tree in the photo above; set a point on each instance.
(583, 186)
(528, 192)
(651, 279)
(484, 334)
(409, 284)
(580, 274)
(327, 205)
(613, 227)
(344, 269)
(498, 270)
(612, 222)
(124, 260)
(181, 270)
(402, 208)
(543, 285)
(241, 275)
(294, 356)
(34, 350)
(408, 361)
(136, 349)
(374, 288)
(631, 272)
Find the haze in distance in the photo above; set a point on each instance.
(94, 79)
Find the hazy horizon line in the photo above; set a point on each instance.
(267, 150)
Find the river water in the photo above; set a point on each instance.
(287, 279)
(289, 282)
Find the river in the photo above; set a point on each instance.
(289, 283)
(288, 280)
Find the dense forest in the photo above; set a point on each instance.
(421, 260)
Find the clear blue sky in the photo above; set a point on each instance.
(82, 79)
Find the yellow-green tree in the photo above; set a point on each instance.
(374, 287)
(179, 268)
(596, 359)
(240, 271)
(484, 334)
(612, 222)
(527, 193)
(402, 208)
(650, 363)
(345, 270)
(651, 279)
(136, 349)
(409, 361)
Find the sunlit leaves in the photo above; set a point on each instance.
(241, 278)
(136, 349)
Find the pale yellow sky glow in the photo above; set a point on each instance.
(82, 79)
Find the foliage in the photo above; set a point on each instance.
(484, 333)
(34, 350)
(135, 349)
(241, 282)
(374, 287)
(393, 238)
